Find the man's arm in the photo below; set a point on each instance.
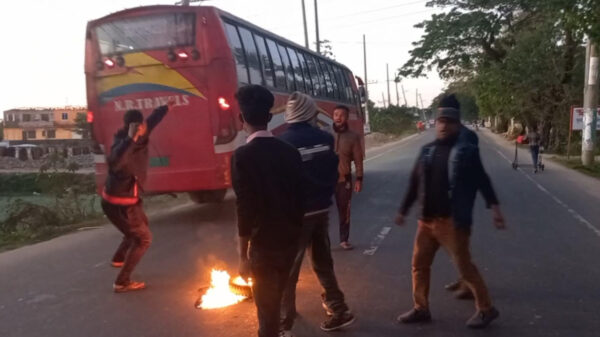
(411, 194)
(484, 183)
(487, 190)
(156, 117)
(245, 211)
(358, 158)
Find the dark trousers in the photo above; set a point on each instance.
(133, 223)
(430, 236)
(315, 237)
(535, 152)
(270, 272)
(343, 197)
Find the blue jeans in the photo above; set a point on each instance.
(535, 151)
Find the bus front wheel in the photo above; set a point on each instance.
(208, 197)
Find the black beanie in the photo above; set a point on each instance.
(133, 116)
(255, 103)
(449, 108)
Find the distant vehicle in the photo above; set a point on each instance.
(140, 58)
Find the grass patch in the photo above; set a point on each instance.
(575, 164)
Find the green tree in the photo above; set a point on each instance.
(82, 127)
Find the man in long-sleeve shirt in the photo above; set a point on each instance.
(121, 201)
(268, 182)
(445, 179)
(348, 146)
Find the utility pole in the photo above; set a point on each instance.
(397, 80)
(404, 95)
(590, 105)
(421, 99)
(422, 108)
(367, 122)
(317, 28)
(387, 75)
(305, 28)
(383, 99)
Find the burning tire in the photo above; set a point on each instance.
(240, 289)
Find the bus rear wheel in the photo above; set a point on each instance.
(208, 197)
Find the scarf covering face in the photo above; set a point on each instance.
(300, 108)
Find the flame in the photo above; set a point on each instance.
(219, 295)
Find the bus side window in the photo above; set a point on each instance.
(336, 90)
(341, 84)
(265, 61)
(251, 56)
(297, 69)
(327, 76)
(289, 72)
(278, 65)
(314, 74)
(238, 52)
(307, 76)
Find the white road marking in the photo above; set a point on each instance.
(377, 241)
(575, 215)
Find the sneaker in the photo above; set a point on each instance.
(481, 319)
(338, 322)
(117, 264)
(454, 286)
(464, 293)
(286, 333)
(415, 316)
(346, 245)
(131, 286)
(327, 310)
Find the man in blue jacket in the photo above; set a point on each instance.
(320, 164)
(445, 179)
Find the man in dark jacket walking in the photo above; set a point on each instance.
(121, 201)
(268, 182)
(320, 165)
(446, 177)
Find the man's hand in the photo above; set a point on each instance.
(244, 269)
(171, 103)
(498, 217)
(358, 186)
(141, 131)
(399, 220)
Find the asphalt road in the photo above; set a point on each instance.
(543, 272)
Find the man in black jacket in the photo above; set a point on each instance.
(268, 182)
(320, 165)
(446, 177)
(121, 201)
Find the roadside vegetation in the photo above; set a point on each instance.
(515, 60)
(393, 120)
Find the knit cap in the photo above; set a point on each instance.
(300, 108)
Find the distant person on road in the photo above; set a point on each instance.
(349, 149)
(445, 179)
(268, 181)
(534, 146)
(121, 201)
(320, 165)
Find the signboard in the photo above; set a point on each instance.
(577, 119)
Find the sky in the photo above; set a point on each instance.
(43, 42)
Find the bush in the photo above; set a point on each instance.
(392, 120)
(46, 183)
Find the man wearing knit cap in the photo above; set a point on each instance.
(320, 164)
(445, 179)
(349, 149)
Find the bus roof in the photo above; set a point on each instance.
(220, 12)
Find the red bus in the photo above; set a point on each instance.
(140, 58)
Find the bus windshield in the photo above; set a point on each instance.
(146, 33)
